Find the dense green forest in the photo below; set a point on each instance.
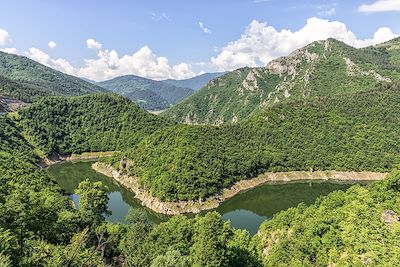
(26, 80)
(322, 68)
(359, 227)
(97, 122)
(353, 128)
(349, 132)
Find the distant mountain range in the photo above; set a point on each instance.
(156, 95)
(323, 68)
(25, 79)
(197, 82)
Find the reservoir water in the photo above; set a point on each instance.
(245, 211)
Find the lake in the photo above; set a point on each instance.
(245, 211)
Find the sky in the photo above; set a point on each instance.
(178, 39)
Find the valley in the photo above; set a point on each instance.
(292, 164)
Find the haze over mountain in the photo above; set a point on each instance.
(323, 68)
(26, 79)
(148, 94)
(197, 82)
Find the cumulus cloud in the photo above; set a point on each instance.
(43, 58)
(262, 43)
(52, 44)
(204, 28)
(142, 63)
(4, 37)
(10, 50)
(93, 44)
(380, 6)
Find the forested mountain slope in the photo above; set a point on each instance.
(147, 93)
(357, 132)
(97, 122)
(25, 79)
(323, 68)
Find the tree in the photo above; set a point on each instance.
(172, 258)
(210, 241)
(93, 201)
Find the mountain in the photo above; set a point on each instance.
(26, 79)
(197, 82)
(147, 93)
(357, 131)
(323, 68)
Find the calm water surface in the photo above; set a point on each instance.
(245, 211)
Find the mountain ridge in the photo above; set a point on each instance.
(25, 79)
(322, 68)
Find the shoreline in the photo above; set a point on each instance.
(181, 207)
(56, 158)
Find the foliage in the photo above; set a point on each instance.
(98, 122)
(349, 132)
(200, 241)
(93, 200)
(342, 229)
(322, 68)
(25, 79)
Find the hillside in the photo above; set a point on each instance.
(356, 131)
(97, 122)
(359, 227)
(323, 68)
(147, 93)
(25, 79)
(197, 82)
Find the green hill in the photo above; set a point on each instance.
(323, 68)
(147, 93)
(197, 82)
(97, 122)
(25, 79)
(356, 131)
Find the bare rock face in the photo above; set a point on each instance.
(389, 217)
(8, 104)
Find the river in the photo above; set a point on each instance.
(245, 211)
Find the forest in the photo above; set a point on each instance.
(97, 122)
(349, 132)
(40, 226)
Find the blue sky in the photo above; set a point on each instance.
(170, 30)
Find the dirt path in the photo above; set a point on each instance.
(172, 208)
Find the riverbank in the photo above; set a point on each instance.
(56, 158)
(173, 208)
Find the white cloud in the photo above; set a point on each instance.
(327, 13)
(262, 43)
(142, 63)
(10, 50)
(4, 37)
(380, 6)
(159, 17)
(52, 44)
(58, 64)
(204, 28)
(93, 44)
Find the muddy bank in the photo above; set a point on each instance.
(172, 208)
